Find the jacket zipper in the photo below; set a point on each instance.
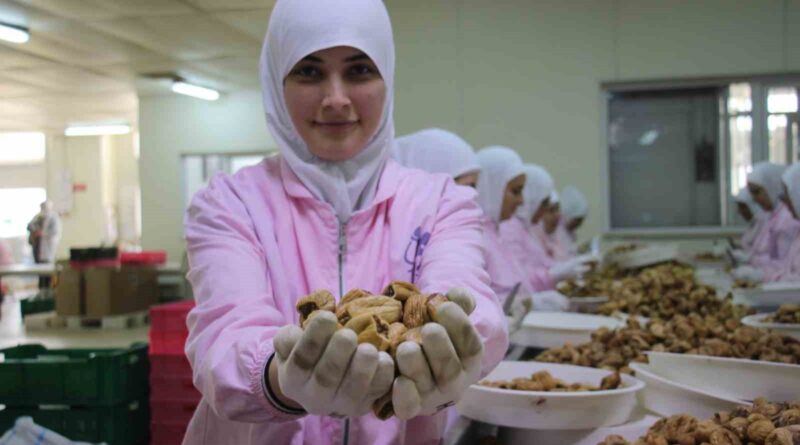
(342, 253)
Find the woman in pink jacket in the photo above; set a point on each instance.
(789, 270)
(574, 210)
(520, 242)
(753, 215)
(772, 245)
(439, 151)
(331, 212)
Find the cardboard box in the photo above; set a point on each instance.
(69, 291)
(114, 291)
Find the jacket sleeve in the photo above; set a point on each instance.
(454, 258)
(232, 326)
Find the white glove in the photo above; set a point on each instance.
(519, 309)
(550, 301)
(748, 273)
(741, 256)
(434, 376)
(327, 372)
(571, 268)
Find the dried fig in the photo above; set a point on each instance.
(320, 300)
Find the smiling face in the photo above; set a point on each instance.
(512, 197)
(335, 99)
(760, 196)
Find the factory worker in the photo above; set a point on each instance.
(331, 212)
(545, 230)
(771, 246)
(574, 210)
(516, 233)
(500, 194)
(439, 151)
(753, 215)
(789, 269)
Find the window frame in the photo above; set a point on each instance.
(759, 143)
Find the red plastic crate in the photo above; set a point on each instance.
(145, 257)
(168, 331)
(172, 365)
(172, 411)
(166, 433)
(176, 388)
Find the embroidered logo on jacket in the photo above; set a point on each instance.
(418, 242)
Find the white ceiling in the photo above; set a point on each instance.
(87, 60)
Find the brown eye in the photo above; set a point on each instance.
(362, 71)
(306, 73)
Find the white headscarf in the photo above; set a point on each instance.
(554, 197)
(573, 203)
(298, 28)
(538, 186)
(499, 165)
(746, 198)
(437, 151)
(791, 177)
(768, 175)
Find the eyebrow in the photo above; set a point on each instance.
(353, 58)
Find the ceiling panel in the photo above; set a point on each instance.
(184, 37)
(66, 79)
(108, 9)
(253, 23)
(11, 88)
(239, 70)
(11, 57)
(227, 5)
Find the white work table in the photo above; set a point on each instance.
(79, 338)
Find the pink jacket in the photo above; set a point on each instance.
(258, 241)
(772, 245)
(565, 242)
(528, 253)
(504, 269)
(789, 269)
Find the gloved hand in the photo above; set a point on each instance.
(519, 309)
(550, 301)
(748, 273)
(326, 372)
(433, 376)
(571, 268)
(741, 256)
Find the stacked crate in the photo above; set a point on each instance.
(88, 395)
(173, 397)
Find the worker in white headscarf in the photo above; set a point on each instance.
(500, 194)
(574, 210)
(771, 246)
(752, 214)
(439, 151)
(789, 269)
(546, 230)
(518, 239)
(332, 213)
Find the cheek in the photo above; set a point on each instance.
(369, 100)
(301, 103)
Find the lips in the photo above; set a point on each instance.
(336, 129)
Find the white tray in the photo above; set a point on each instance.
(554, 329)
(644, 256)
(550, 410)
(636, 427)
(730, 378)
(588, 304)
(757, 321)
(768, 296)
(668, 398)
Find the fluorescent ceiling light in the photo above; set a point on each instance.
(97, 130)
(13, 34)
(195, 91)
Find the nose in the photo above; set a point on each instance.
(336, 95)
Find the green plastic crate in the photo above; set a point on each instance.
(121, 424)
(37, 306)
(33, 375)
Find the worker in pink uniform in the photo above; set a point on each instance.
(789, 269)
(546, 230)
(332, 212)
(772, 245)
(519, 241)
(439, 151)
(753, 215)
(574, 210)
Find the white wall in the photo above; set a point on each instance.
(522, 73)
(170, 126)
